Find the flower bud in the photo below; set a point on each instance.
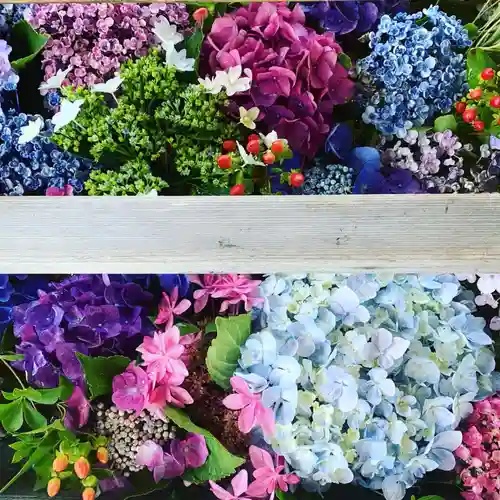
(102, 455)
(88, 494)
(60, 463)
(53, 487)
(82, 468)
(199, 15)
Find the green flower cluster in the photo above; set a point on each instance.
(159, 118)
(133, 178)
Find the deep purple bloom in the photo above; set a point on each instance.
(339, 140)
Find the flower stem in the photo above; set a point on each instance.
(14, 373)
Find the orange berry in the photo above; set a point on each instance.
(82, 468)
(53, 487)
(229, 145)
(60, 463)
(224, 161)
(277, 147)
(88, 494)
(237, 190)
(476, 93)
(268, 158)
(102, 455)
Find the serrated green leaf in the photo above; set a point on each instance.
(220, 463)
(27, 43)
(11, 416)
(99, 372)
(33, 417)
(477, 60)
(446, 122)
(223, 354)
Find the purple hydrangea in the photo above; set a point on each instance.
(96, 38)
(90, 314)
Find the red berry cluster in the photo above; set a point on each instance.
(480, 107)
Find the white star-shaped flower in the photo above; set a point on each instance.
(247, 158)
(109, 87)
(67, 113)
(248, 117)
(178, 59)
(56, 81)
(30, 131)
(270, 138)
(167, 33)
(212, 85)
(233, 81)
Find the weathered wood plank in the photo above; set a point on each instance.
(440, 233)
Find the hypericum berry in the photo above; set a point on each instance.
(82, 468)
(488, 74)
(296, 179)
(88, 494)
(60, 463)
(237, 190)
(478, 125)
(469, 115)
(268, 158)
(476, 94)
(277, 147)
(199, 15)
(460, 107)
(102, 455)
(252, 137)
(53, 487)
(229, 145)
(224, 161)
(253, 147)
(495, 101)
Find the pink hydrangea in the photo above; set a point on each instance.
(97, 38)
(297, 77)
(131, 389)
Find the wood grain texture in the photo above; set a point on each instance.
(456, 233)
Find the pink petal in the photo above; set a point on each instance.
(174, 295)
(247, 419)
(150, 454)
(219, 492)
(292, 479)
(235, 402)
(265, 419)
(182, 306)
(159, 473)
(239, 385)
(240, 483)
(200, 304)
(172, 336)
(257, 489)
(260, 458)
(181, 396)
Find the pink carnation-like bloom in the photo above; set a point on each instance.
(297, 78)
(169, 308)
(97, 38)
(232, 288)
(67, 190)
(131, 389)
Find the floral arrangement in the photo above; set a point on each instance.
(237, 386)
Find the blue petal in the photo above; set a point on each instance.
(364, 158)
(339, 141)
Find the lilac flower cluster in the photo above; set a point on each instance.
(8, 77)
(416, 69)
(343, 17)
(90, 314)
(95, 39)
(34, 166)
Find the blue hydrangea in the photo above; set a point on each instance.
(368, 377)
(33, 167)
(328, 179)
(10, 14)
(415, 71)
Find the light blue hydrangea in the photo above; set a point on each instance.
(368, 376)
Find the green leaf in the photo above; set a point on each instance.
(11, 416)
(220, 463)
(11, 357)
(186, 329)
(211, 327)
(345, 60)
(431, 497)
(472, 30)
(193, 46)
(281, 495)
(27, 43)
(56, 425)
(10, 396)
(446, 122)
(477, 60)
(223, 354)
(99, 372)
(66, 388)
(33, 417)
(46, 396)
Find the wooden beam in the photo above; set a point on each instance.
(251, 234)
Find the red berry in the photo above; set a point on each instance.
(252, 137)
(268, 158)
(296, 179)
(237, 190)
(460, 107)
(469, 115)
(224, 161)
(199, 15)
(229, 145)
(495, 101)
(277, 147)
(478, 125)
(476, 94)
(488, 74)
(253, 147)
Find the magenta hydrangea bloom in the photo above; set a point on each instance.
(95, 39)
(131, 389)
(297, 78)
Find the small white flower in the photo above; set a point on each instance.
(30, 131)
(56, 81)
(379, 386)
(385, 349)
(167, 33)
(489, 283)
(178, 59)
(248, 117)
(212, 85)
(268, 141)
(110, 87)
(247, 158)
(423, 370)
(436, 412)
(67, 113)
(233, 81)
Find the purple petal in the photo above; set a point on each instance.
(339, 141)
(368, 15)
